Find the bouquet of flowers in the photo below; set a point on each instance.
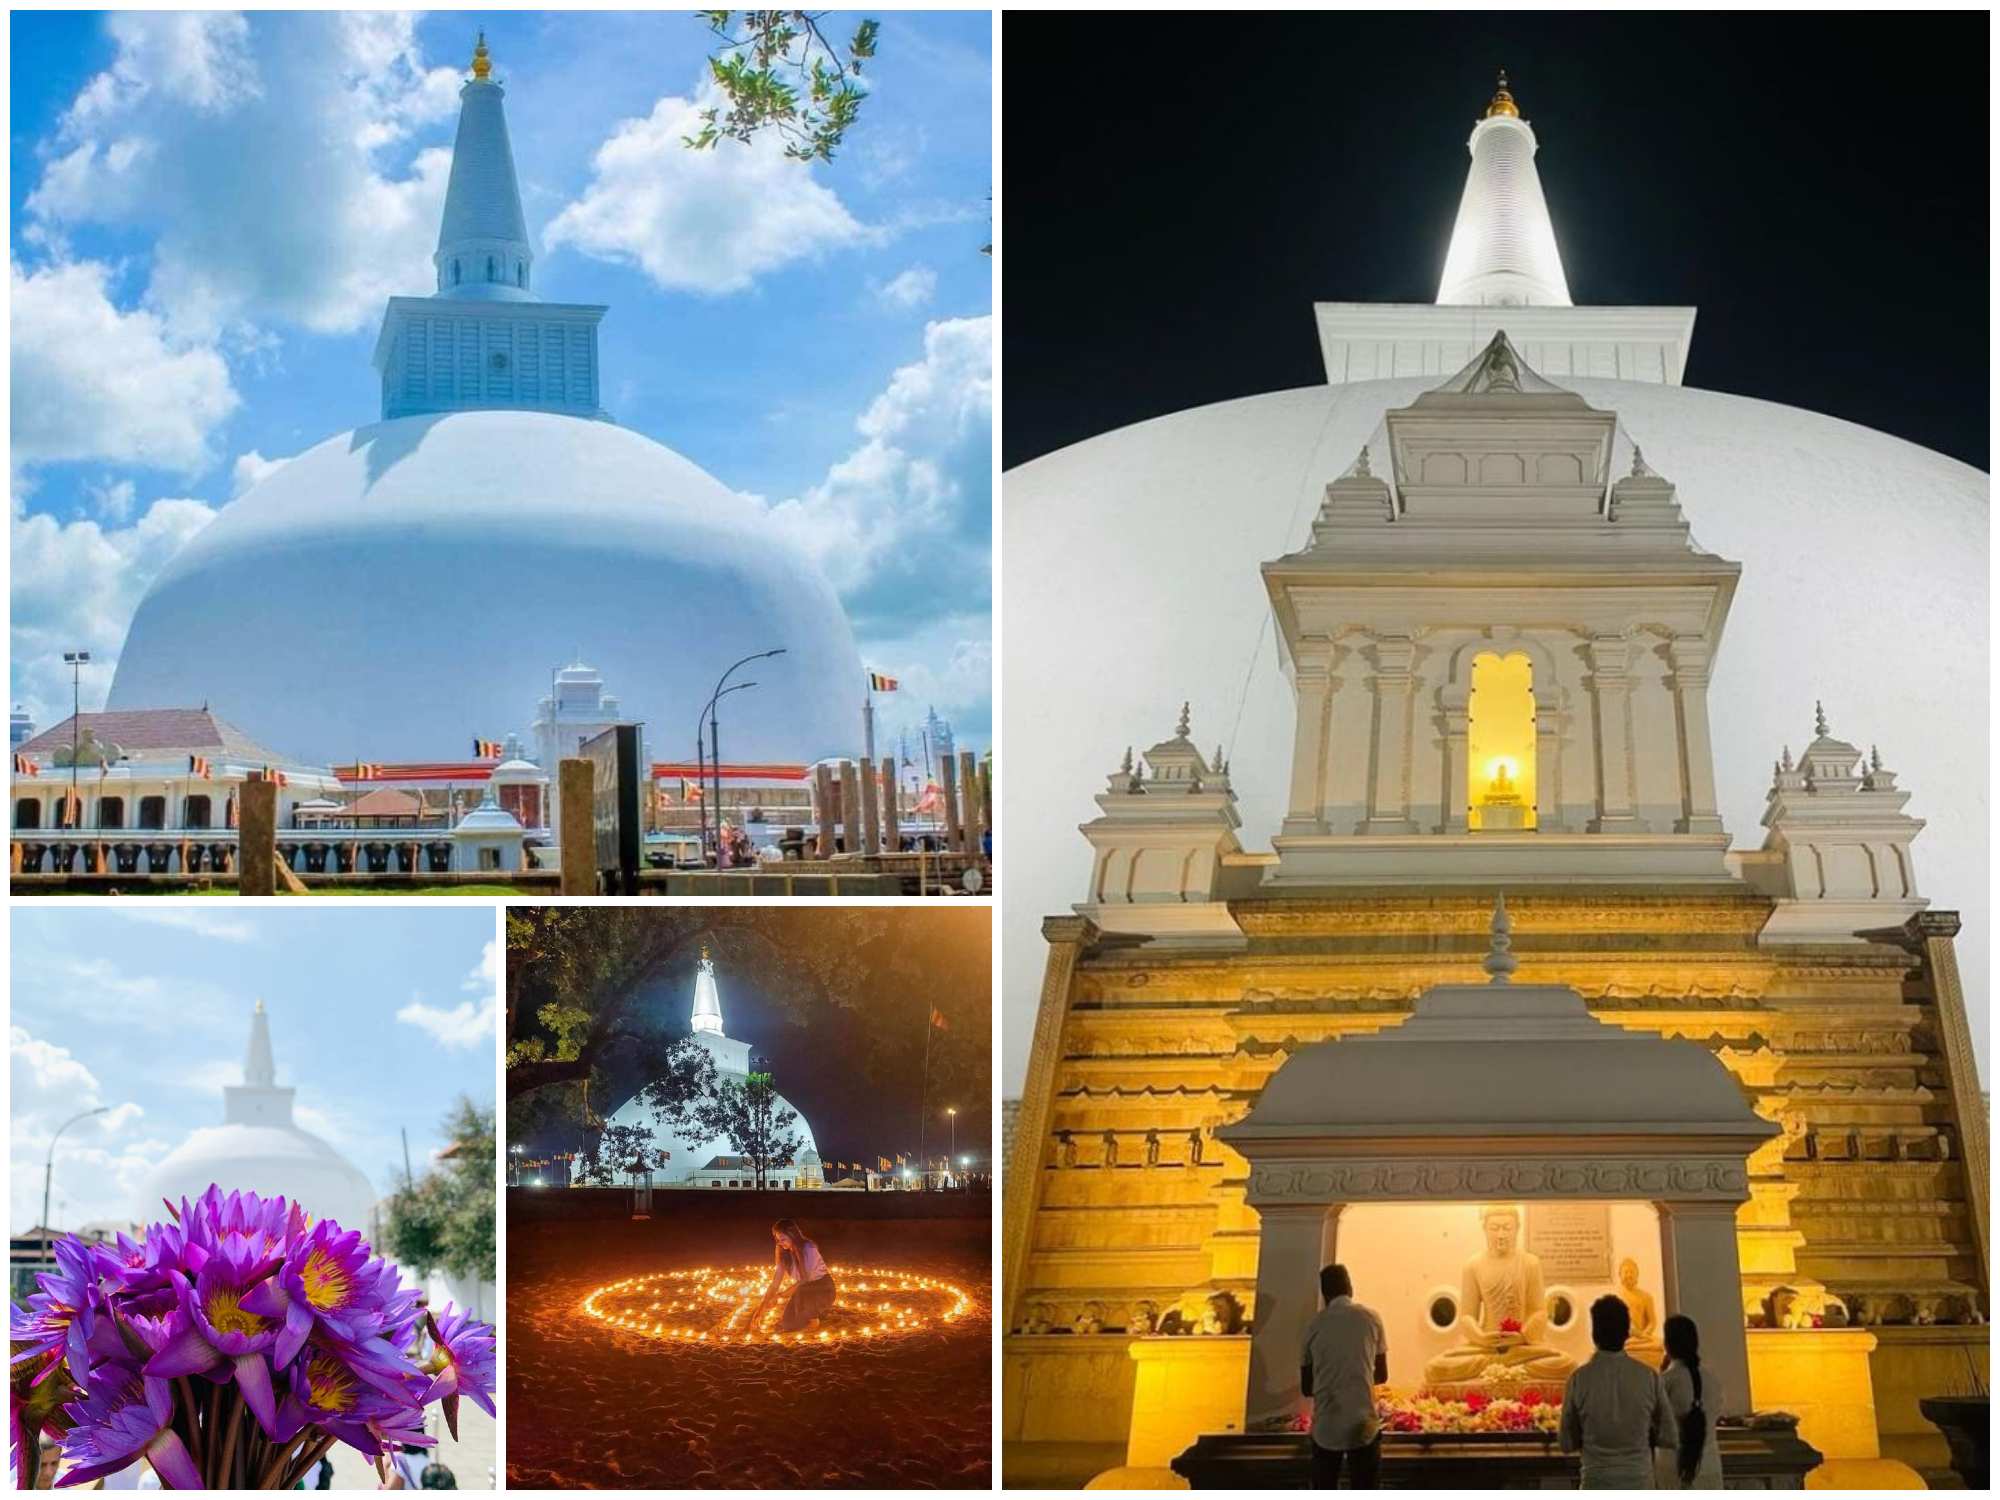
(1531, 1411)
(155, 1348)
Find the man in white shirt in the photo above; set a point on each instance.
(1615, 1409)
(1345, 1356)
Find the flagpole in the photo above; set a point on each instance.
(924, 1100)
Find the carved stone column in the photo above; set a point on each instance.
(1389, 771)
(1457, 759)
(1703, 1280)
(1610, 656)
(1934, 931)
(1313, 686)
(1067, 938)
(1289, 1246)
(1689, 656)
(1548, 761)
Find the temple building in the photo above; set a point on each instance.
(1732, 1081)
(259, 1149)
(400, 587)
(714, 1163)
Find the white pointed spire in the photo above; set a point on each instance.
(482, 250)
(1503, 247)
(260, 1071)
(707, 1004)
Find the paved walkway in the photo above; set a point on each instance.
(473, 1459)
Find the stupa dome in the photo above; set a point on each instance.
(259, 1149)
(408, 585)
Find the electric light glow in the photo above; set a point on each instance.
(720, 1305)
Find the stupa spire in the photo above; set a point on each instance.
(482, 250)
(1503, 247)
(260, 1071)
(707, 1003)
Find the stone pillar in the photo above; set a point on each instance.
(823, 791)
(1609, 657)
(1934, 930)
(954, 832)
(1457, 762)
(1689, 656)
(968, 799)
(850, 807)
(986, 797)
(871, 824)
(1313, 687)
(1548, 763)
(892, 833)
(576, 839)
(1289, 1246)
(1389, 771)
(257, 838)
(1704, 1280)
(1067, 938)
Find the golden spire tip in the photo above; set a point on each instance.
(481, 63)
(1503, 102)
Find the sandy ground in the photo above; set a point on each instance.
(590, 1408)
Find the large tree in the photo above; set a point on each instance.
(446, 1218)
(756, 1123)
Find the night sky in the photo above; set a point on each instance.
(1179, 190)
(855, 1072)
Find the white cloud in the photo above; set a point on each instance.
(908, 289)
(97, 1174)
(76, 584)
(485, 976)
(252, 469)
(944, 663)
(248, 150)
(113, 498)
(702, 221)
(92, 382)
(207, 924)
(470, 1023)
(903, 524)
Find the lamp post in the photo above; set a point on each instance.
(715, 735)
(77, 661)
(48, 1174)
(952, 1110)
(708, 714)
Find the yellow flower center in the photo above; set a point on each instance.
(226, 1315)
(332, 1389)
(325, 1281)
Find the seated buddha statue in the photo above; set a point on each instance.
(1502, 1285)
(1645, 1344)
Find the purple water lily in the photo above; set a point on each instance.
(123, 1420)
(152, 1348)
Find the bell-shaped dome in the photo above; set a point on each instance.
(412, 584)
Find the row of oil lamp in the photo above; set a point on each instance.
(743, 1286)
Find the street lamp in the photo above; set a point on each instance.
(952, 1110)
(49, 1168)
(698, 767)
(715, 732)
(77, 661)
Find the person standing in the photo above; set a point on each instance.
(1345, 1356)
(1693, 1462)
(1615, 1409)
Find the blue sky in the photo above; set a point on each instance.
(381, 1016)
(210, 210)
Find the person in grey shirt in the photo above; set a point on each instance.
(1615, 1409)
(1345, 1356)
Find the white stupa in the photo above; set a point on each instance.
(687, 1156)
(1865, 567)
(259, 1149)
(403, 588)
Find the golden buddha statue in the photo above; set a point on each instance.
(1645, 1343)
(1502, 1320)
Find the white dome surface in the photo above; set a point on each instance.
(267, 1160)
(405, 587)
(1132, 583)
(687, 1155)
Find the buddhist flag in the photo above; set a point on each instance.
(486, 750)
(877, 683)
(25, 766)
(881, 1163)
(199, 768)
(367, 770)
(932, 799)
(276, 778)
(690, 790)
(72, 813)
(937, 1019)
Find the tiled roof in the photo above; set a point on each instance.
(152, 732)
(386, 802)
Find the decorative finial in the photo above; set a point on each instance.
(260, 1008)
(1503, 102)
(704, 953)
(1639, 469)
(1361, 469)
(1819, 717)
(482, 64)
(1874, 759)
(1217, 762)
(1125, 765)
(1500, 964)
(1786, 763)
(1182, 727)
